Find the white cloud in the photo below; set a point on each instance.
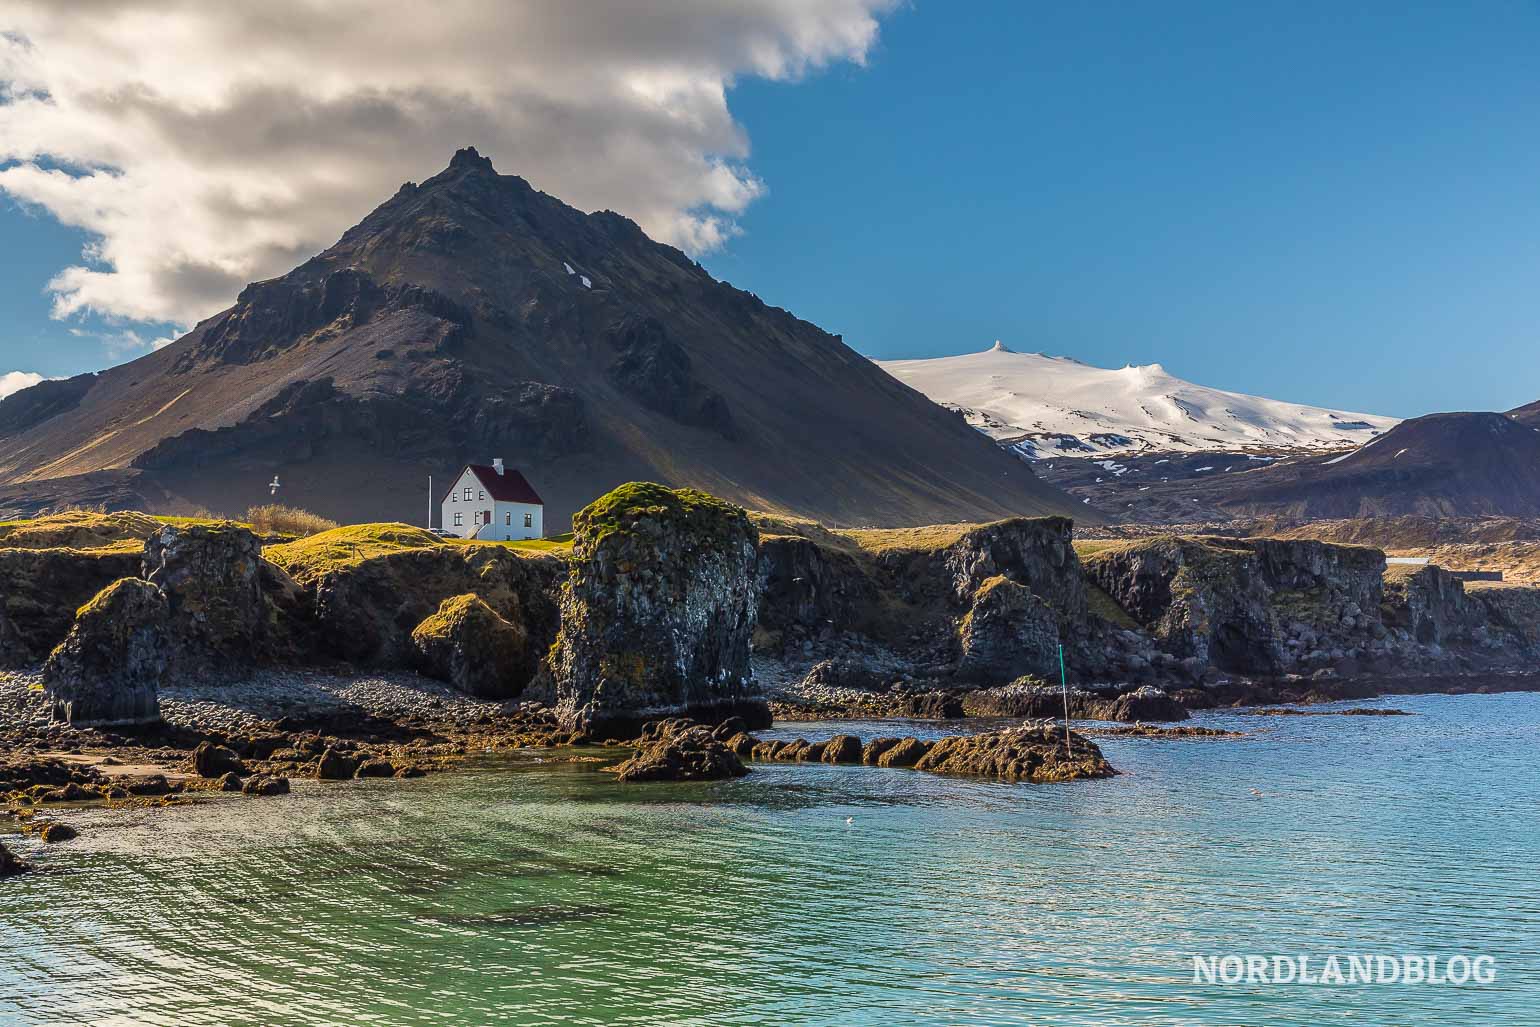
(15, 381)
(209, 145)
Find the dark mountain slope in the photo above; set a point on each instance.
(1440, 465)
(472, 316)
(1528, 414)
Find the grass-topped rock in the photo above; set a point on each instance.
(109, 669)
(466, 643)
(371, 585)
(657, 611)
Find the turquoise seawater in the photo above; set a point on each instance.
(528, 893)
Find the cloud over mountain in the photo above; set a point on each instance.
(207, 145)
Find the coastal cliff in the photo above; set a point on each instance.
(674, 603)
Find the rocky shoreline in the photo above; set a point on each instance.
(151, 660)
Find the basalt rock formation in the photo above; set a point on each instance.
(369, 588)
(108, 670)
(657, 612)
(680, 750)
(467, 644)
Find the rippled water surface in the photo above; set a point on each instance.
(817, 895)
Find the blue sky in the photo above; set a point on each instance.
(1329, 206)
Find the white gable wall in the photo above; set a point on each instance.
(480, 516)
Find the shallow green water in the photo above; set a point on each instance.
(550, 894)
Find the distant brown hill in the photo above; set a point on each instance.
(471, 317)
(1471, 465)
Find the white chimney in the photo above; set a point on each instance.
(497, 464)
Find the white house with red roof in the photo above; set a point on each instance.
(492, 502)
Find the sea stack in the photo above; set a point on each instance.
(657, 612)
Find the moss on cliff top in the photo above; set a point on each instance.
(618, 511)
(79, 529)
(307, 559)
(441, 623)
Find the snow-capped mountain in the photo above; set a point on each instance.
(1057, 406)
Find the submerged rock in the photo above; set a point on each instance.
(264, 785)
(109, 668)
(53, 834)
(680, 750)
(469, 645)
(657, 612)
(11, 865)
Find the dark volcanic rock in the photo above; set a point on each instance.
(53, 834)
(262, 784)
(1147, 703)
(10, 864)
(1008, 632)
(468, 645)
(213, 579)
(1027, 753)
(42, 589)
(1430, 604)
(657, 611)
(336, 766)
(680, 750)
(214, 761)
(109, 669)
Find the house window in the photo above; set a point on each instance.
(507, 518)
(481, 497)
(529, 520)
(459, 519)
(467, 493)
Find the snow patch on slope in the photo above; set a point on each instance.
(1057, 406)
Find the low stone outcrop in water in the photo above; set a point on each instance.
(10, 864)
(467, 644)
(109, 669)
(1032, 752)
(680, 750)
(657, 612)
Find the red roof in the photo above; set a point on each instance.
(508, 487)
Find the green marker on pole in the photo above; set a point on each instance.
(1064, 683)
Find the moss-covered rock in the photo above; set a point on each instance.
(41, 588)
(1032, 752)
(657, 611)
(1009, 631)
(1259, 606)
(466, 643)
(681, 750)
(229, 607)
(372, 585)
(108, 670)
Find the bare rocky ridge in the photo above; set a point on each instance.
(472, 316)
